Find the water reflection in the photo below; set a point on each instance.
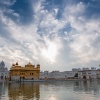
(71, 90)
(52, 90)
(20, 91)
(87, 86)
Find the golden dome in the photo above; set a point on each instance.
(38, 64)
(13, 64)
(16, 63)
(29, 63)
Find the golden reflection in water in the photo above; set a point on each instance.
(23, 91)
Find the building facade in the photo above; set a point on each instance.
(98, 73)
(4, 73)
(75, 73)
(29, 72)
(87, 73)
(58, 75)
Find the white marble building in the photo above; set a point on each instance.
(84, 73)
(98, 73)
(87, 73)
(3, 71)
(57, 74)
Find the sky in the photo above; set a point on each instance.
(57, 34)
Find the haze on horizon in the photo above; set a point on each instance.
(57, 34)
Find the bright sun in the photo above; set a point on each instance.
(50, 52)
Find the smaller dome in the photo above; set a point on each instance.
(16, 63)
(38, 64)
(29, 65)
(13, 64)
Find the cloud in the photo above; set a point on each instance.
(7, 2)
(24, 40)
(68, 41)
(83, 49)
(84, 35)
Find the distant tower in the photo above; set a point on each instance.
(2, 64)
(3, 71)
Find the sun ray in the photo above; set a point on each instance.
(50, 52)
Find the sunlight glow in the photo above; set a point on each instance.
(52, 97)
(50, 52)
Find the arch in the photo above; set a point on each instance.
(84, 77)
(32, 78)
(23, 77)
(5, 77)
(76, 75)
(2, 77)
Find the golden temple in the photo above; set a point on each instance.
(29, 72)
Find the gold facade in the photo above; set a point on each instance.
(18, 72)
